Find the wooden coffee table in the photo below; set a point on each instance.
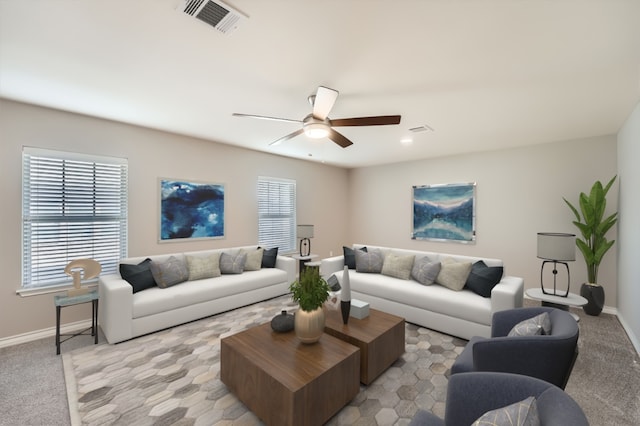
(286, 382)
(380, 337)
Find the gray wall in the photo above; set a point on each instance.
(519, 194)
(322, 193)
(628, 229)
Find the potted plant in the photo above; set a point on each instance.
(593, 226)
(310, 292)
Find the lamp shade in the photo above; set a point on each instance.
(556, 246)
(304, 231)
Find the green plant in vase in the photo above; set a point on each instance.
(310, 291)
(593, 245)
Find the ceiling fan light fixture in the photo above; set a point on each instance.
(316, 130)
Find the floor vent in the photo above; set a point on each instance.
(219, 15)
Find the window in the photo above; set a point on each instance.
(277, 214)
(73, 206)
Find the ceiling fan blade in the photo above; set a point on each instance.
(380, 120)
(339, 138)
(264, 117)
(324, 101)
(287, 137)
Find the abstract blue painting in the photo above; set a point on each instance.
(444, 212)
(191, 210)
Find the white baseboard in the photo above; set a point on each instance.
(634, 339)
(44, 333)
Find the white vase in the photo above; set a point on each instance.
(345, 293)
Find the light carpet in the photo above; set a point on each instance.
(172, 377)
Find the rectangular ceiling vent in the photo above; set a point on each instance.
(423, 128)
(215, 13)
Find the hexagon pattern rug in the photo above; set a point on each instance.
(172, 377)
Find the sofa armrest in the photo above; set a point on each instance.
(507, 294)
(116, 308)
(331, 265)
(289, 265)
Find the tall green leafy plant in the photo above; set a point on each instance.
(310, 291)
(593, 226)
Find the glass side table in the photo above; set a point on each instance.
(61, 301)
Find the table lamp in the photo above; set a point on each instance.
(558, 248)
(304, 232)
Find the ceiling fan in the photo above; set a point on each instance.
(318, 124)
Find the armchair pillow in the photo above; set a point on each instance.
(522, 413)
(538, 325)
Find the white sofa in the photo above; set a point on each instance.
(124, 314)
(459, 313)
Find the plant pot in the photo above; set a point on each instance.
(594, 294)
(309, 326)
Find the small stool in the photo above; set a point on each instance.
(61, 300)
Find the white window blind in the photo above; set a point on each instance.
(277, 214)
(73, 206)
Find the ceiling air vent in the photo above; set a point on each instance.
(215, 13)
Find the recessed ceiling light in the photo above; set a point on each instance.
(406, 141)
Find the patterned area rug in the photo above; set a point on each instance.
(172, 377)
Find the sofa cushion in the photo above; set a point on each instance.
(350, 256)
(482, 278)
(169, 272)
(269, 257)
(232, 263)
(370, 261)
(540, 324)
(254, 259)
(397, 266)
(139, 276)
(521, 413)
(464, 304)
(190, 293)
(201, 267)
(453, 275)
(425, 270)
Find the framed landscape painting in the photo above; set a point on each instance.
(445, 212)
(191, 210)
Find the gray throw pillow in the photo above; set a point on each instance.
(370, 261)
(170, 272)
(453, 275)
(397, 266)
(254, 259)
(201, 267)
(522, 413)
(540, 324)
(232, 263)
(425, 271)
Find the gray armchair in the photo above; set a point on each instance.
(547, 357)
(470, 395)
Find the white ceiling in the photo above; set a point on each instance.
(483, 74)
